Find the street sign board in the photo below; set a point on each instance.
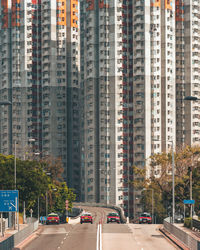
(43, 218)
(189, 201)
(9, 200)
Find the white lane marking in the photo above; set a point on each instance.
(97, 246)
(61, 242)
(100, 237)
(65, 238)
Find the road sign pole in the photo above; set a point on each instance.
(24, 214)
(38, 209)
(18, 214)
(15, 217)
(2, 224)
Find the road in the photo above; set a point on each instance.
(75, 236)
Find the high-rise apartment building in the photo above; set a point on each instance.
(106, 77)
(39, 76)
(138, 61)
(187, 71)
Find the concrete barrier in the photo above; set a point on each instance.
(15, 239)
(181, 235)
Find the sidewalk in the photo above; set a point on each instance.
(194, 234)
(8, 232)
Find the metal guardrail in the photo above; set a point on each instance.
(196, 224)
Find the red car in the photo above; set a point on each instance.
(87, 217)
(145, 218)
(53, 219)
(113, 217)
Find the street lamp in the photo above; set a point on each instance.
(191, 98)
(6, 103)
(173, 182)
(152, 201)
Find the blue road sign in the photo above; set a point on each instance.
(9, 200)
(43, 218)
(189, 201)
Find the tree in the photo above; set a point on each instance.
(54, 166)
(186, 159)
(33, 183)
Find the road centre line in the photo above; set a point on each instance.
(97, 244)
(100, 237)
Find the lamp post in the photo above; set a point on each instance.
(152, 201)
(173, 181)
(191, 98)
(173, 184)
(15, 175)
(8, 103)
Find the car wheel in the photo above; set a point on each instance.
(107, 221)
(91, 222)
(81, 222)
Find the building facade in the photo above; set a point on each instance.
(39, 76)
(109, 107)
(138, 61)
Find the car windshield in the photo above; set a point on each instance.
(53, 215)
(86, 214)
(145, 215)
(113, 214)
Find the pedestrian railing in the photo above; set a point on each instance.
(196, 224)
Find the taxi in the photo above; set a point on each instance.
(113, 217)
(86, 217)
(53, 218)
(145, 218)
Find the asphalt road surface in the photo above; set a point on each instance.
(134, 237)
(76, 236)
(73, 236)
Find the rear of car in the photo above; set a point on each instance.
(53, 219)
(86, 218)
(113, 217)
(145, 218)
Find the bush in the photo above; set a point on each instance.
(188, 223)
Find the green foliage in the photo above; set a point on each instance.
(33, 183)
(186, 159)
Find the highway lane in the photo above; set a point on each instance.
(73, 236)
(76, 236)
(134, 237)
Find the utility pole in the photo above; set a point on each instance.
(191, 191)
(173, 184)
